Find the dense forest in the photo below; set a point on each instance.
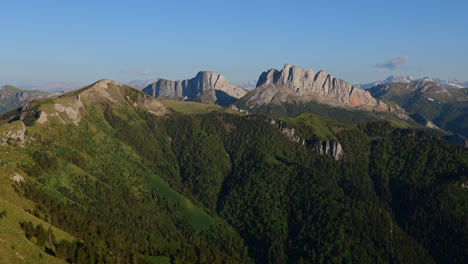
(222, 188)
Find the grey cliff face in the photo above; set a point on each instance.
(205, 83)
(331, 147)
(295, 83)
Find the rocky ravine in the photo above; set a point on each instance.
(294, 84)
(206, 87)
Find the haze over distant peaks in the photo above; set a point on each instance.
(12, 97)
(140, 84)
(206, 87)
(249, 85)
(51, 87)
(453, 83)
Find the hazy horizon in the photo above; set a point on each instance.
(82, 42)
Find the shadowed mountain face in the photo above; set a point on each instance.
(204, 87)
(445, 107)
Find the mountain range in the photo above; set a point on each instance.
(206, 87)
(443, 106)
(453, 83)
(109, 174)
(249, 85)
(12, 97)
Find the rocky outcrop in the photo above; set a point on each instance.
(206, 86)
(290, 133)
(294, 84)
(16, 178)
(13, 133)
(331, 147)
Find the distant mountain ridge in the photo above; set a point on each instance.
(205, 87)
(444, 106)
(249, 85)
(12, 97)
(140, 84)
(453, 83)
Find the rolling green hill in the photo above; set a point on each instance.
(124, 178)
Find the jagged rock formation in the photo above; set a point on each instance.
(289, 132)
(294, 84)
(331, 147)
(206, 87)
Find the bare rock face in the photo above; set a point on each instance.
(14, 133)
(290, 133)
(331, 147)
(296, 84)
(212, 86)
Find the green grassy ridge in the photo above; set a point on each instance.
(19, 209)
(311, 126)
(79, 161)
(188, 108)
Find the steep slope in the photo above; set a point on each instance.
(80, 177)
(445, 107)
(205, 87)
(12, 97)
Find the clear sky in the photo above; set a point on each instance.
(83, 41)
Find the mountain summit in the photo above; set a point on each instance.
(206, 87)
(294, 84)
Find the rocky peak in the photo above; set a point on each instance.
(211, 86)
(297, 84)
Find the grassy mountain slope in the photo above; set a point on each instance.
(133, 179)
(88, 182)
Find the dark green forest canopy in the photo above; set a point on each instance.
(240, 191)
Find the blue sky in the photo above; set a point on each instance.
(83, 41)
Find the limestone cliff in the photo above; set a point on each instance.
(206, 86)
(294, 84)
(331, 147)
